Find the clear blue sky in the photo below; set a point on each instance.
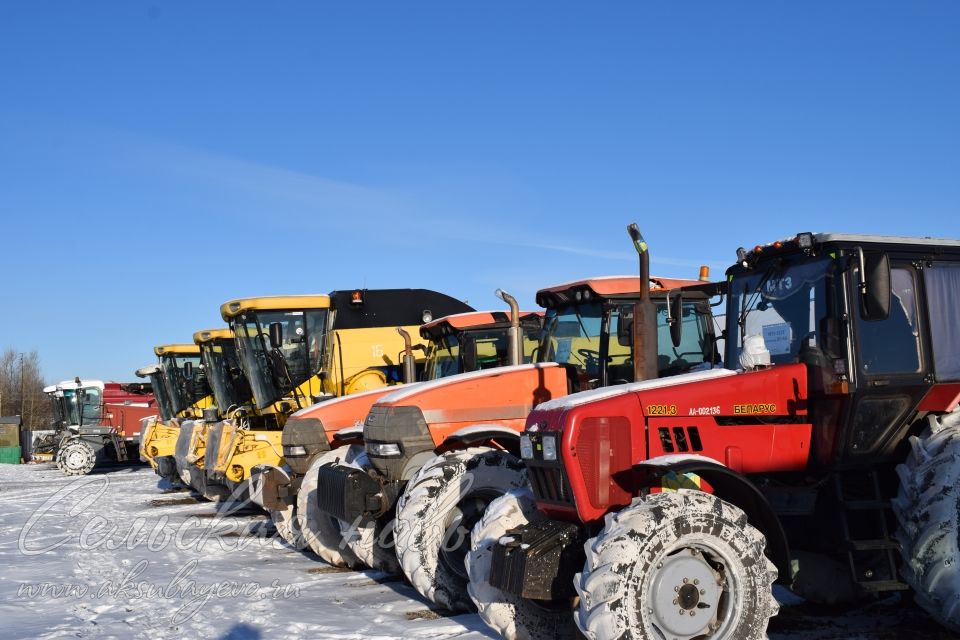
(157, 159)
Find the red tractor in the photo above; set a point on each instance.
(668, 508)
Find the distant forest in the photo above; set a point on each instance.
(21, 389)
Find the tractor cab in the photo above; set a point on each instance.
(77, 402)
(154, 373)
(185, 381)
(474, 341)
(870, 317)
(588, 329)
(221, 365)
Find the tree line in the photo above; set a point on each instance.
(21, 389)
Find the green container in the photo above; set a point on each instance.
(9, 455)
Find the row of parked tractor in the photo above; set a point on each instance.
(638, 458)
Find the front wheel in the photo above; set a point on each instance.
(511, 616)
(77, 458)
(437, 512)
(318, 530)
(928, 514)
(676, 565)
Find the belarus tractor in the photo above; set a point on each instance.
(188, 397)
(436, 454)
(296, 351)
(97, 422)
(458, 343)
(669, 508)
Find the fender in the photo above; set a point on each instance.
(480, 433)
(735, 489)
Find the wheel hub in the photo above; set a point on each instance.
(684, 597)
(75, 459)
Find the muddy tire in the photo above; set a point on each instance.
(318, 530)
(511, 616)
(77, 458)
(288, 527)
(928, 514)
(437, 512)
(676, 565)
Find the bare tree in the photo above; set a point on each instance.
(21, 389)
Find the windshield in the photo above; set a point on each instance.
(183, 393)
(273, 373)
(473, 350)
(162, 396)
(783, 305)
(595, 339)
(221, 363)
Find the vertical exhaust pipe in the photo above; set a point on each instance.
(644, 315)
(514, 336)
(409, 362)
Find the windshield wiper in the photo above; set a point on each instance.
(747, 305)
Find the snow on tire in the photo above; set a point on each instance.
(437, 512)
(511, 616)
(77, 458)
(927, 508)
(676, 565)
(321, 531)
(288, 526)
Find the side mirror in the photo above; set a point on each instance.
(276, 335)
(188, 370)
(625, 327)
(676, 318)
(875, 300)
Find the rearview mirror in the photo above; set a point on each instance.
(625, 327)
(676, 318)
(875, 301)
(188, 370)
(276, 335)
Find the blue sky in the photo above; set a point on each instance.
(157, 159)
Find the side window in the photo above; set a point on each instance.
(943, 303)
(693, 344)
(893, 345)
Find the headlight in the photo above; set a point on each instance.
(296, 450)
(526, 448)
(549, 448)
(383, 449)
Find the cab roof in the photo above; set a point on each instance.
(208, 335)
(233, 308)
(177, 349)
(474, 319)
(606, 287)
(812, 242)
(143, 372)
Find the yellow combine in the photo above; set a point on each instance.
(303, 349)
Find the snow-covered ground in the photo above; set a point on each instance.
(114, 555)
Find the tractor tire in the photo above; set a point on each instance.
(437, 513)
(77, 458)
(928, 514)
(288, 526)
(676, 565)
(318, 530)
(511, 616)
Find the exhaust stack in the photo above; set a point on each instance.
(409, 362)
(514, 336)
(644, 315)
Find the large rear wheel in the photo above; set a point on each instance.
(927, 507)
(678, 565)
